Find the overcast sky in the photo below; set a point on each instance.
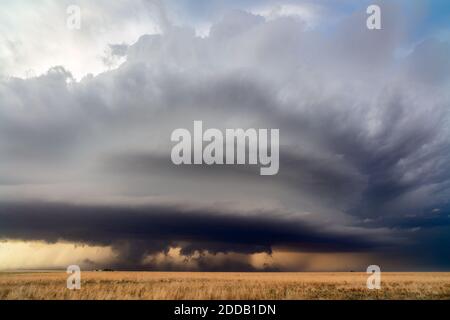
(86, 117)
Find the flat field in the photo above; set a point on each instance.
(223, 286)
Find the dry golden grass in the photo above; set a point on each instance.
(226, 286)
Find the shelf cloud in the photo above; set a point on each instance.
(364, 141)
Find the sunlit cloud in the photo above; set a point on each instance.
(19, 255)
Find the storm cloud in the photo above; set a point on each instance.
(364, 134)
(137, 231)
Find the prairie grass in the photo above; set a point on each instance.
(223, 286)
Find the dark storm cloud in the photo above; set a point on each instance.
(432, 218)
(136, 231)
(315, 177)
(363, 132)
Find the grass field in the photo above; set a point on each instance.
(233, 286)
